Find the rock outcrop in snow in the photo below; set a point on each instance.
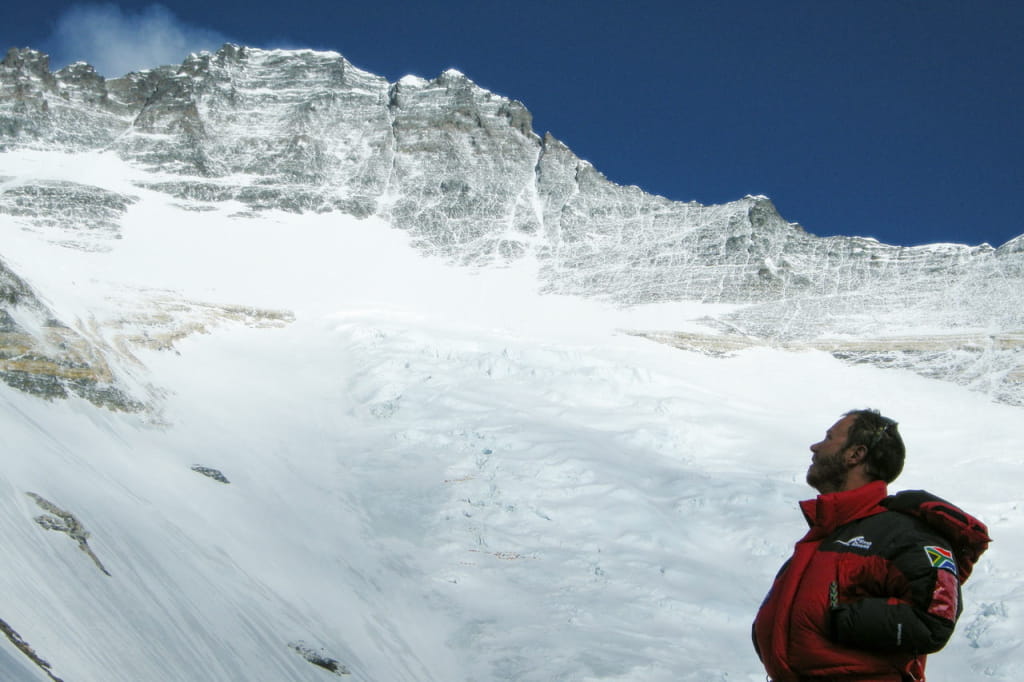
(65, 522)
(26, 649)
(42, 355)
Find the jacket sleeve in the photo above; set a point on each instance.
(920, 618)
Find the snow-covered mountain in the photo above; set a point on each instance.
(310, 375)
(461, 170)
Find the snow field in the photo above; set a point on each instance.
(435, 473)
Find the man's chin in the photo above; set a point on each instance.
(824, 483)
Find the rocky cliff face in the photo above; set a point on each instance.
(462, 171)
(41, 355)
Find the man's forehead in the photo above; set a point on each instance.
(843, 425)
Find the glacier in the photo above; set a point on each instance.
(480, 413)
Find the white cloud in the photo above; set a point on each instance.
(116, 41)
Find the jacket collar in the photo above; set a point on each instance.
(827, 512)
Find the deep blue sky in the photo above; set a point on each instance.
(896, 119)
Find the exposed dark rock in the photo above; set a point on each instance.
(76, 209)
(319, 659)
(215, 474)
(13, 289)
(65, 522)
(26, 649)
(59, 364)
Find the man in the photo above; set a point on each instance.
(874, 586)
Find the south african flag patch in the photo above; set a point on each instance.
(940, 557)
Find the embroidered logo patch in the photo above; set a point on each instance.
(860, 542)
(941, 558)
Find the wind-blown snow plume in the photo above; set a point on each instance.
(116, 40)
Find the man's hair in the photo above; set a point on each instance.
(885, 447)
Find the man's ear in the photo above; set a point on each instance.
(855, 454)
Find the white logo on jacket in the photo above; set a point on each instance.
(859, 542)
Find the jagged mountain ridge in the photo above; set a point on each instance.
(461, 170)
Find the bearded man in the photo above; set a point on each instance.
(874, 585)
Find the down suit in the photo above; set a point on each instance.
(871, 589)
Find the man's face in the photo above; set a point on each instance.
(829, 469)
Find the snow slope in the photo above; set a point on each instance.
(435, 473)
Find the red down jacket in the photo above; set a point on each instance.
(871, 589)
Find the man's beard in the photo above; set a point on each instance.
(828, 474)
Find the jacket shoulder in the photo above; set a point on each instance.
(967, 536)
